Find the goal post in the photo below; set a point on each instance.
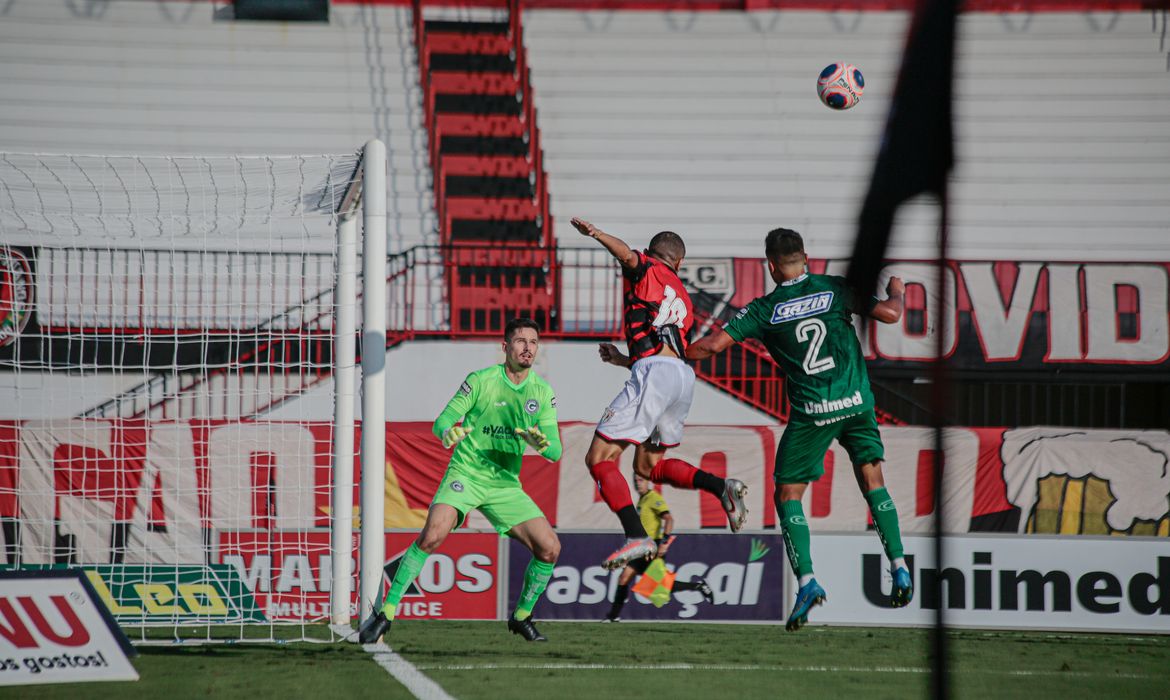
(178, 340)
(373, 494)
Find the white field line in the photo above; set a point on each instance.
(406, 673)
(786, 669)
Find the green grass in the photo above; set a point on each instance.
(590, 660)
(251, 670)
(765, 661)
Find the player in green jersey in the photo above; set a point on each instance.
(505, 409)
(806, 324)
(659, 523)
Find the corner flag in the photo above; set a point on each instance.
(917, 146)
(656, 583)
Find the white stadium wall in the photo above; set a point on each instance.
(172, 78)
(708, 124)
(421, 377)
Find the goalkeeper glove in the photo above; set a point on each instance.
(452, 435)
(533, 437)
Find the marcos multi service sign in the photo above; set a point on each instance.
(744, 571)
(53, 629)
(290, 574)
(1086, 583)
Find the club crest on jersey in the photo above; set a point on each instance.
(457, 486)
(802, 307)
(531, 405)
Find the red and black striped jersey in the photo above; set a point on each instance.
(656, 309)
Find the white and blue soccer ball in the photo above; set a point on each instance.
(840, 85)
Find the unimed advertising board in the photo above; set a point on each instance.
(1109, 584)
(53, 629)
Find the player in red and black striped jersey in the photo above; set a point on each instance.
(650, 410)
(656, 309)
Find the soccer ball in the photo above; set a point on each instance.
(840, 85)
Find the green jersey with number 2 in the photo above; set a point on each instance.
(807, 326)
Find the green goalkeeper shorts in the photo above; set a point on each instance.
(800, 458)
(504, 505)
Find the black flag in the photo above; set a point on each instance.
(917, 147)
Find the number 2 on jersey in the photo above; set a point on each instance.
(812, 331)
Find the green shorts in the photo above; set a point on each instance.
(504, 505)
(800, 458)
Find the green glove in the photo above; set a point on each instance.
(452, 435)
(533, 437)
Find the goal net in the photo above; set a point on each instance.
(167, 394)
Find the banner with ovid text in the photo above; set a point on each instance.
(744, 572)
(54, 629)
(1110, 584)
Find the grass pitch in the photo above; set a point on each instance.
(589, 660)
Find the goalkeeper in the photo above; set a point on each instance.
(505, 409)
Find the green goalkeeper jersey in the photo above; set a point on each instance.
(492, 408)
(807, 326)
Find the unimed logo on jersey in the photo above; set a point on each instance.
(802, 307)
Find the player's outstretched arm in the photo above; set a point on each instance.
(890, 310)
(616, 246)
(711, 344)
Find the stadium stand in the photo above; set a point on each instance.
(708, 123)
(492, 194)
(149, 78)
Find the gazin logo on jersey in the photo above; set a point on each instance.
(803, 307)
(16, 294)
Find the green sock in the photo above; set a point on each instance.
(408, 567)
(796, 537)
(885, 518)
(536, 577)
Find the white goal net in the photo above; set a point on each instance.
(166, 384)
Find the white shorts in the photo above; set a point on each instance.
(653, 404)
